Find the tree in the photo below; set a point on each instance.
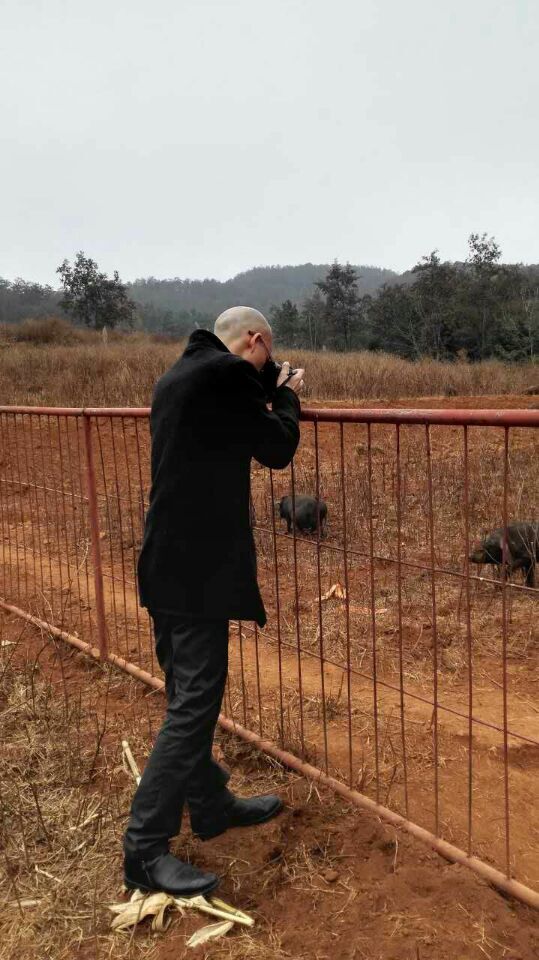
(484, 252)
(287, 324)
(92, 298)
(530, 321)
(341, 306)
(433, 293)
(394, 323)
(490, 295)
(313, 316)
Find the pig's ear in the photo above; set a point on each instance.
(500, 541)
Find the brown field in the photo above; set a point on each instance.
(312, 680)
(77, 369)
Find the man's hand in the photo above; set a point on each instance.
(295, 382)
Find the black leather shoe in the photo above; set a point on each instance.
(236, 812)
(169, 874)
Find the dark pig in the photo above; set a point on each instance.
(309, 513)
(522, 549)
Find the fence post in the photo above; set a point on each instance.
(94, 537)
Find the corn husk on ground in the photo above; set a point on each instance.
(157, 905)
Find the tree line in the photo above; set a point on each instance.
(477, 309)
(176, 306)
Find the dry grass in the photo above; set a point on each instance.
(115, 374)
(64, 800)
(360, 376)
(49, 330)
(52, 363)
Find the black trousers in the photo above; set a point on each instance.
(193, 655)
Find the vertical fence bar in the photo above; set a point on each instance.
(31, 496)
(79, 472)
(373, 616)
(94, 537)
(74, 517)
(398, 495)
(319, 582)
(242, 670)
(142, 521)
(258, 689)
(37, 511)
(60, 490)
(110, 537)
(277, 610)
(11, 513)
(132, 529)
(56, 522)
(64, 504)
(46, 515)
(468, 637)
(347, 606)
(228, 696)
(5, 509)
(20, 497)
(140, 480)
(505, 552)
(121, 525)
(434, 634)
(296, 598)
(3, 492)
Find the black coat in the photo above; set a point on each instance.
(208, 419)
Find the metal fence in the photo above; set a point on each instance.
(391, 667)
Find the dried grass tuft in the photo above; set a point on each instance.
(50, 362)
(63, 805)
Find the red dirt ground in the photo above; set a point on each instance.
(324, 880)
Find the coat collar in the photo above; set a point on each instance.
(204, 340)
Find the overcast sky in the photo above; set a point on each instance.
(199, 138)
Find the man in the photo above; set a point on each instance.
(197, 570)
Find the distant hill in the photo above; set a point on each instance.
(260, 287)
(179, 305)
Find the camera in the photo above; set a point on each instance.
(270, 374)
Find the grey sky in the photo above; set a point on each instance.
(198, 138)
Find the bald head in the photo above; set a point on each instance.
(246, 332)
(235, 321)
